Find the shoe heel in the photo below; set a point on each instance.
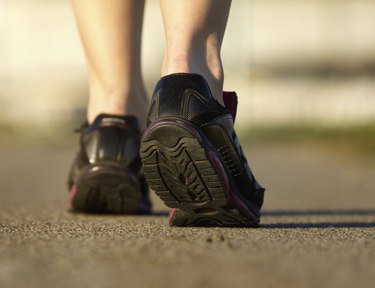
(187, 174)
(104, 190)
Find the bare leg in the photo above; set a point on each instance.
(111, 35)
(194, 32)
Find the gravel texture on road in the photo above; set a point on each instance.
(318, 229)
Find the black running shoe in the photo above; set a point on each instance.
(192, 158)
(106, 175)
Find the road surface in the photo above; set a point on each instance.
(318, 229)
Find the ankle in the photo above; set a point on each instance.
(114, 102)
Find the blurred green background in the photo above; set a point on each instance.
(304, 70)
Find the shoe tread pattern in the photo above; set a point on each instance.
(181, 174)
(107, 192)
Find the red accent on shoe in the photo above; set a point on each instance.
(231, 100)
(171, 214)
(72, 194)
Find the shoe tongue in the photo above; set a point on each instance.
(230, 102)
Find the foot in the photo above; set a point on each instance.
(192, 158)
(106, 174)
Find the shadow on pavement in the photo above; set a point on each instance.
(320, 212)
(321, 224)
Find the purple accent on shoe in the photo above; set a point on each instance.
(231, 100)
(232, 197)
(215, 160)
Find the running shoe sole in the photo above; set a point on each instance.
(188, 174)
(106, 189)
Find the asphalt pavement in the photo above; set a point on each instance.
(318, 229)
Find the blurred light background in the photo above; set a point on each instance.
(292, 62)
